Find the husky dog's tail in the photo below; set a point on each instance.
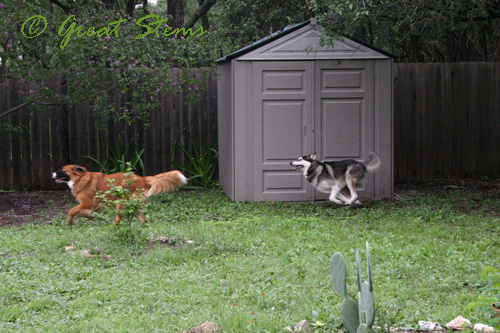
(374, 162)
(165, 182)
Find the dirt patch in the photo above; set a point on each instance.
(168, 242)
(25, 207)
(474, 195)
(483, 188)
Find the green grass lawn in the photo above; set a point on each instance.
(250, 267)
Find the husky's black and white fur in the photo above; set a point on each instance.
(332, 177)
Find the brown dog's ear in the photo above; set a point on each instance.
(79, 169)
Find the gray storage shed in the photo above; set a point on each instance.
(284, 96)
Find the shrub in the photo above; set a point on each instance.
(203, 163)
(118, 161)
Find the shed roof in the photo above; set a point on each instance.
(302, 41)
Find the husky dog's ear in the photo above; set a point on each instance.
(312, 156)
(79, 169)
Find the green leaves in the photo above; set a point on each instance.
(119, 161)
(407, 28)
(103, 65)
(203, 163)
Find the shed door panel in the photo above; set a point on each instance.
(283, 128)
(344, 114)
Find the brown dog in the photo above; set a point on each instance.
(85, 185)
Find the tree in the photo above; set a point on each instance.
(186, 13)
(175, 9)
(101, 47)
(421, 30)
(238, 23)
(125, 46)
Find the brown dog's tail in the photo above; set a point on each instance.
(165, 182)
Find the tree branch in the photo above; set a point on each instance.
(15, 108)
(36, 100)
(103, 92)
(204, 18)
(50, 103)
(202, 10)
(66, 9)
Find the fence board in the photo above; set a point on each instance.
(5, 153)
(447, 113)
(36, 149)
(164, 133)
(495, 115)
(16, 158)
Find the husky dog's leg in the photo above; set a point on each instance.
(342, 197)
(333, 194)
(345, 194)
(351, 184)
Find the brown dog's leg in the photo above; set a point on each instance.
(142, 218)
(81, 210)
(118, 218)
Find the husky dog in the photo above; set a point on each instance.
(333, 177)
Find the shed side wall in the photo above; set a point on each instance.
(243, 127)
(225, 123)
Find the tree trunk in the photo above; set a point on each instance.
(130, 7)
(175, 9)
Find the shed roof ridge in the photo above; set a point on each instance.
(263, 41)
(287, 30)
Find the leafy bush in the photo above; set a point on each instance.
(129, 204)
(203, 163)
(118, 161)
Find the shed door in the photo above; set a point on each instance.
(344, 114)
(283, 103)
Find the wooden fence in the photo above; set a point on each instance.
(446, 120)
(64, 135)
(446, 125)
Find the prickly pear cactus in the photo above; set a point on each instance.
(357, 317)
(338, 271)
(367, 304)
(350, 315)
(349, 309)
(363, 328)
